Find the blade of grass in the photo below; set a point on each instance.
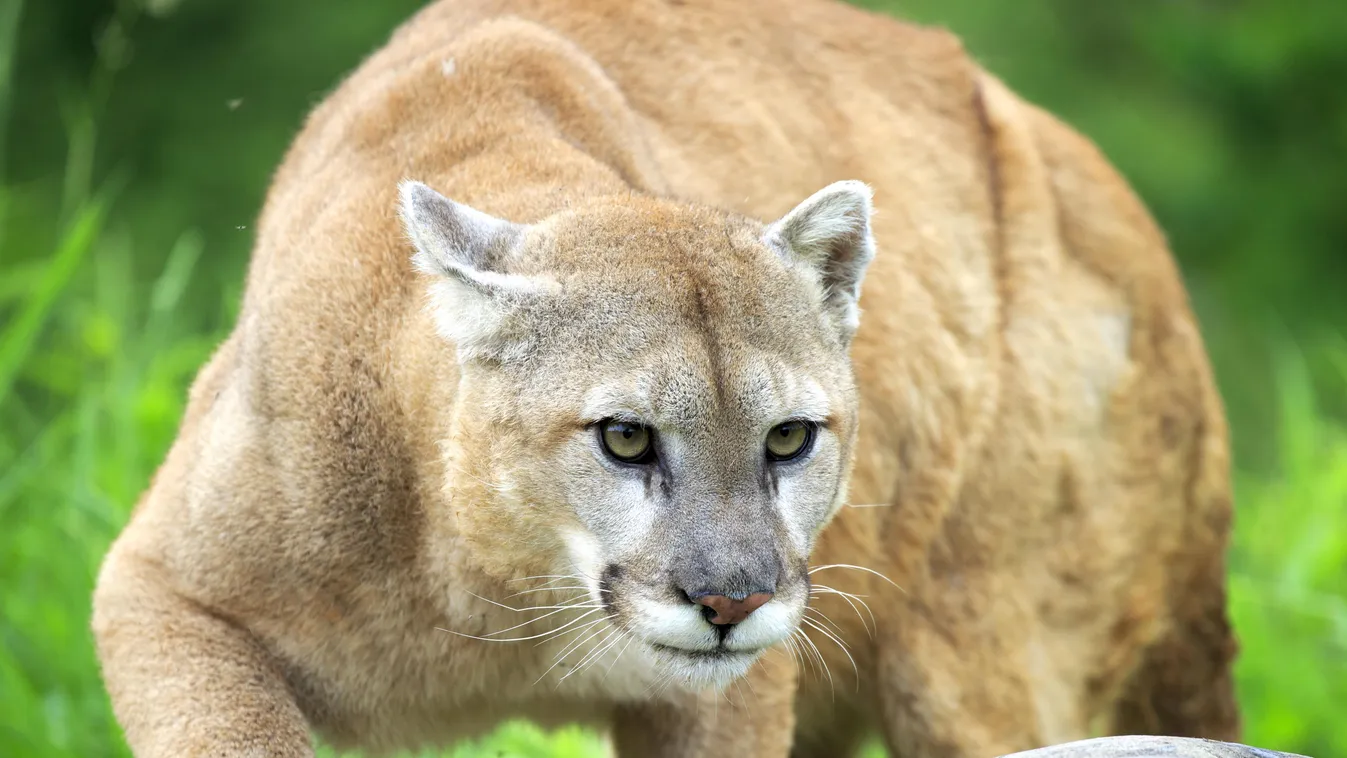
(172, 282)
(16, 342)
(10, 13)
(33, 459)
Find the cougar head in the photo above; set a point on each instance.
(657, 399)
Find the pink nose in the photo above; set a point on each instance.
(730, 611)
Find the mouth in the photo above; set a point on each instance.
(714, 654)
(704, 668)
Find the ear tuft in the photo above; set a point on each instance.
(475, 297)
(830, 233)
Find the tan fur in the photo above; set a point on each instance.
(1038, 452)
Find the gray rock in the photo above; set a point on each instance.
(1137, 746)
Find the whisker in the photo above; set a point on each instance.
(575, 602)
(492, 486)
(824, 663)
(607, 633)
(617, 638)
(549, 589)
(659, 686)
(616, 658)
(652, 689)
(595, 654)
(546, 576)
(786, 644)
(603, 646)
(799, 638)
(554, 578)
(842, 646)
(804, 658)
(869, 505)
(857, 568)
(566, 604)
(821, 616)
(793, 649)
(751, 688)
(851, 600)
(518, 639)
(552, 584)
(572, 645)
(540, 618)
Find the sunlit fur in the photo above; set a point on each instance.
(387, 517)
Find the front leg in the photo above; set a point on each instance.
(752, 718)
(183, 681)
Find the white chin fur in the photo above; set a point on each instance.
(686, 648)
(768, 625)
(703, 671)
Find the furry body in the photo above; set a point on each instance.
(1037, 452)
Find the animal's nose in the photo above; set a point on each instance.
(723, 610)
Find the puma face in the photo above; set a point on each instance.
(660, 400)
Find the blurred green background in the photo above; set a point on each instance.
(138, 138)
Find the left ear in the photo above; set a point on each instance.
(830, 233)
(474, 296)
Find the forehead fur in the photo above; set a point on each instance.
(637, 271)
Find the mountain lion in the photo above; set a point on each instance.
(576, 380)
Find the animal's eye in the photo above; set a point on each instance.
(627, 442)
(789, 440)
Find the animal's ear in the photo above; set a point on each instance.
(475, 299)
(830, 233)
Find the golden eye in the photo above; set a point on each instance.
(789, 440)
(625, 441)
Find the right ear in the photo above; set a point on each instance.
(474, 298)
(830, 233)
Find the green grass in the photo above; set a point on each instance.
(96, 353)
(520, 739)
(1288, 582)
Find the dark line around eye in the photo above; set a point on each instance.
(666, 483)
(819, 421)
(630, 418)
(624, 417)
(770, 479)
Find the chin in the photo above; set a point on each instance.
(697, 670)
